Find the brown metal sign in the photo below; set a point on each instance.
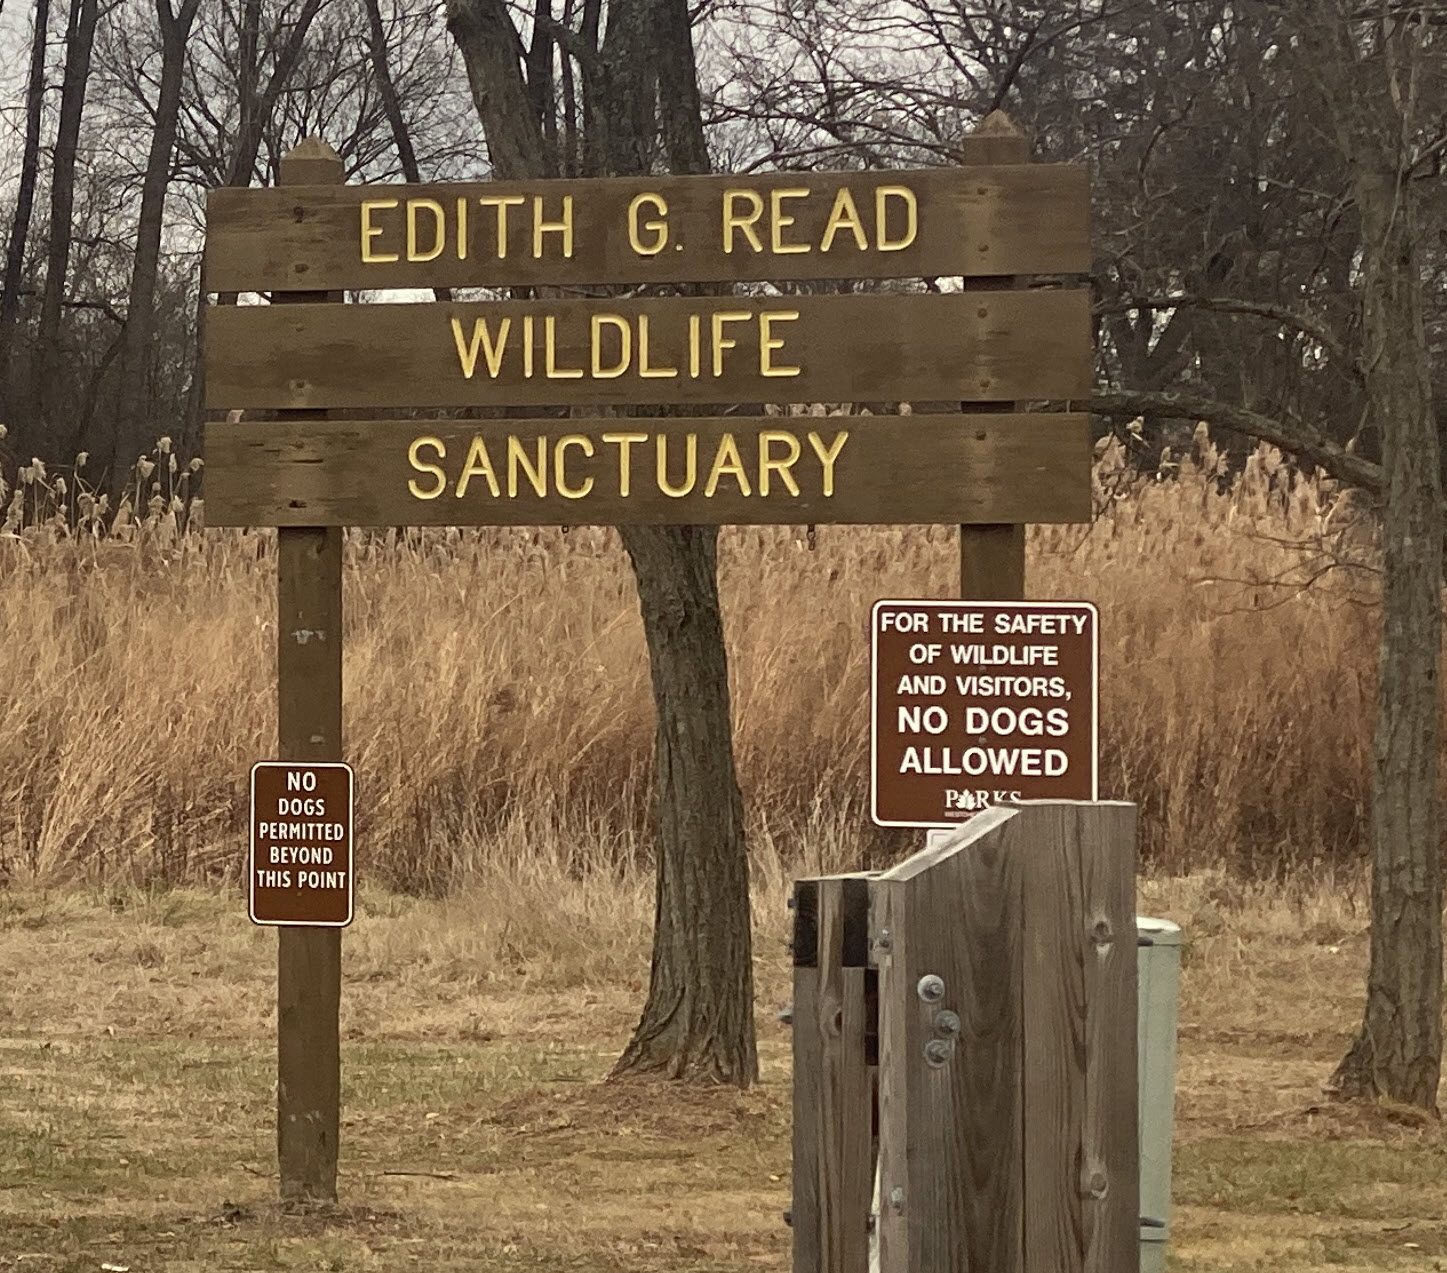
(301, 844)
(975, 703)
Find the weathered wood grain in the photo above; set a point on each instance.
(1081, 1160)
(888, 469)
(970, 221)
(833, 1164)
(1055, 1007)
(987, 346)
(808, 1099)
(846, 1167)
(1111, 1138)
(950, 1136)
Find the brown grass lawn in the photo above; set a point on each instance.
(136, 1047)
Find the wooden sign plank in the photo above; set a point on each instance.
(721, 471)
(779, 226)
(700, 350)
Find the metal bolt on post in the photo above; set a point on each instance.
(931, 988)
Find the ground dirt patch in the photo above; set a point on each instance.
(480, 1131)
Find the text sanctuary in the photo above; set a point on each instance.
(628, 463)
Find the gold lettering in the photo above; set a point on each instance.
(767, 464)
(437, 445)
(528, 346)
(768, 342)
(657, 227)
(690, 466)
(439, 229)
(728, 460)
(779, 221)
(462, 229)
(624, 442)
(550, 348)
(827, 456)
(481, 336)
(517, 458)
(560, 461)
(370, 232)
(845, 216)
(502, 202)
(722, 342)
(882, 197)
(563, 227)
(478, 461)
(695, 345)
(732, 220)
(625, 346)
(644, 370)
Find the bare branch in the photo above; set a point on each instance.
(1297, 437)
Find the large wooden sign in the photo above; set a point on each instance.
(1004, 361)
(997, 347)
(975, 703)
(767, 470)
(984, 221)
(980, 346)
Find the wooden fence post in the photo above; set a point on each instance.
(1008, 1046)
(309, 727)
(949, 1135)
(833, 1174)
(1081, 1150)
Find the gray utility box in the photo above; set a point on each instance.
(1158, 964)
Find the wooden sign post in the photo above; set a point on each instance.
(992, 555)
(987, 465)
(309, 727)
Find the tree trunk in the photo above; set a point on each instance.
(698, 1021)
(130, 439)
(387, 90)
(641, 93)
(20, 227)
(79, 41)
(1398, 1052)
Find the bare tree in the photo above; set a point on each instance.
(129, 440)
(378, 55)
(79, 42)
(20, 221)
(1371, 71)
(640, 112)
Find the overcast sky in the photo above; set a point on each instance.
(14, 28)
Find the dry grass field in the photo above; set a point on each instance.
(499, 721)
(497, 684)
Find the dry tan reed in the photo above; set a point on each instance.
(497, 691)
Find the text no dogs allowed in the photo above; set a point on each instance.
(976, 703)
